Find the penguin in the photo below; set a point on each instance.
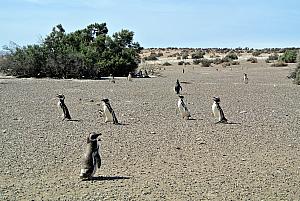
(184, 112)
(112, 78)
(61, 104)
(217, 110)
(178, 87)
(91, 160)
(108, 112)
(129, 77)
(245, 78)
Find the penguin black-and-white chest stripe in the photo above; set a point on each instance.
(218, 112)
(110, 116)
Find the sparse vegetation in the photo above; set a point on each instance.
(167, 64)
(231, 56)
(235, 63)
(279, 64)
(206, 62)
(198, 55)
(151, 57)
(256, 53)
(252, 60)
(180, 63)
(196, 61)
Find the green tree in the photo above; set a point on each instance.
(86, 53)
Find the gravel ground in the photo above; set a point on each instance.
(154, 155)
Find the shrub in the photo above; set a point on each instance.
(279, 64)
(180, 63)
(185, 55)
(198, 55)
(217, 61)
(273, 57)
(167, 64)
(196, 61)
(231, 56)
(225, 64)
(256, 53)
(151, 57)
(252, 60)
(206, 62)
(295, 75)
(235, 63)
(289, 56)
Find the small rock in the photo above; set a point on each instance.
(242, 112)
(152, 132)
(4, 131)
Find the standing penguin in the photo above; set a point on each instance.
(92, 158)
(217, 110)
(129, 78)
(184, 112)
(245, 78)
(108, 112)
(61, 104)
(178, 87)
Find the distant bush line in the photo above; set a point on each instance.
(87, 53)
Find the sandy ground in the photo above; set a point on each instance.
(154, 155)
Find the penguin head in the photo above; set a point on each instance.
(60, 96)
(93, 137)
(177, 81)
(105, 100)
(181, 97)
(216, 99)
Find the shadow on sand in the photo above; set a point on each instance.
(106, 178)
(229, 123)
(76, 120)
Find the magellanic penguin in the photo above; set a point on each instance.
(108, 112)
(61, 104)
(178, 87)
(112, 78)
(184, 112)
(129, 78)
(245, 78)
(91, 158)
(217, 110)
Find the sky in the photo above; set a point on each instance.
(159, 23)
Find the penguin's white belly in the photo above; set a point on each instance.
(108, 115)
(84, 171)
(216, 112)
(183, 112)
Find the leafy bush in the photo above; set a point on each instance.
(225, 64)
(235, 63)
(279, 64)
(180, 63)
(289, 56)
(198, 55)
(273, 57)
(185, 55)
(256, 53)
(231, 56)
(88, 53)
(206, 62)
(167, 64)
(196, 61)
(252, 60)
(151, 57)
(295, 75)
